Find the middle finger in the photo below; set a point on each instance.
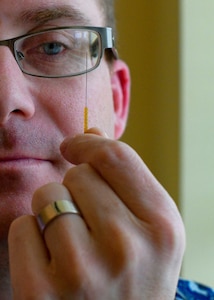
(99, 204)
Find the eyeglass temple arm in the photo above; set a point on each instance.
(109, 42)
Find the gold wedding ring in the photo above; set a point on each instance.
(54, 210)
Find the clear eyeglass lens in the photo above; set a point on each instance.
(59, 53)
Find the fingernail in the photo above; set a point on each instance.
(97, 131)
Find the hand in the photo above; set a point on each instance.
(128, 244)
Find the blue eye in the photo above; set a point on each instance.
(94, 49)
(52, 48)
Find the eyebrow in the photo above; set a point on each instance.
(42, 15)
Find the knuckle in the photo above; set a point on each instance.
(77, 174)
(46, 194)
(169, 233)
(76, 277)
(125, 245)
(112, 153)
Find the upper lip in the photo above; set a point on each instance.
(28, 143)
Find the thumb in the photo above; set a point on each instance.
(65, 147)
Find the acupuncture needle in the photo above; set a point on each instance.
(86, 97)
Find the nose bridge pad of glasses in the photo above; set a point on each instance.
(19, 55)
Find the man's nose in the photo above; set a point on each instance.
(15, 98)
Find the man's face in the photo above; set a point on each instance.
(37, 113)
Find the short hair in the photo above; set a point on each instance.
(108, 13)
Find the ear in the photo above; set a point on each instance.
(120, 81)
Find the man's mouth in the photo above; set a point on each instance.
(21, 161)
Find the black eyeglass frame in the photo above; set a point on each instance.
(106, 38)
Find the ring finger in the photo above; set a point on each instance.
(67, 235)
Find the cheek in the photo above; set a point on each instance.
(101, 114)
(61, 102)
(100, 105)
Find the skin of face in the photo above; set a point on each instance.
(36, 114)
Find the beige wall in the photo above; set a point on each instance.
(148, 41)
(197, 132)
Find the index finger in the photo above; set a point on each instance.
(124, 171)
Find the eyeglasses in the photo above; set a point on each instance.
(61, 52)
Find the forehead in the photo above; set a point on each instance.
(77, 12)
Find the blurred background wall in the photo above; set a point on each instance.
(197, 136)
(148, 41)
(169, 46)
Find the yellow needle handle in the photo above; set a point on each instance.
(85, 118)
